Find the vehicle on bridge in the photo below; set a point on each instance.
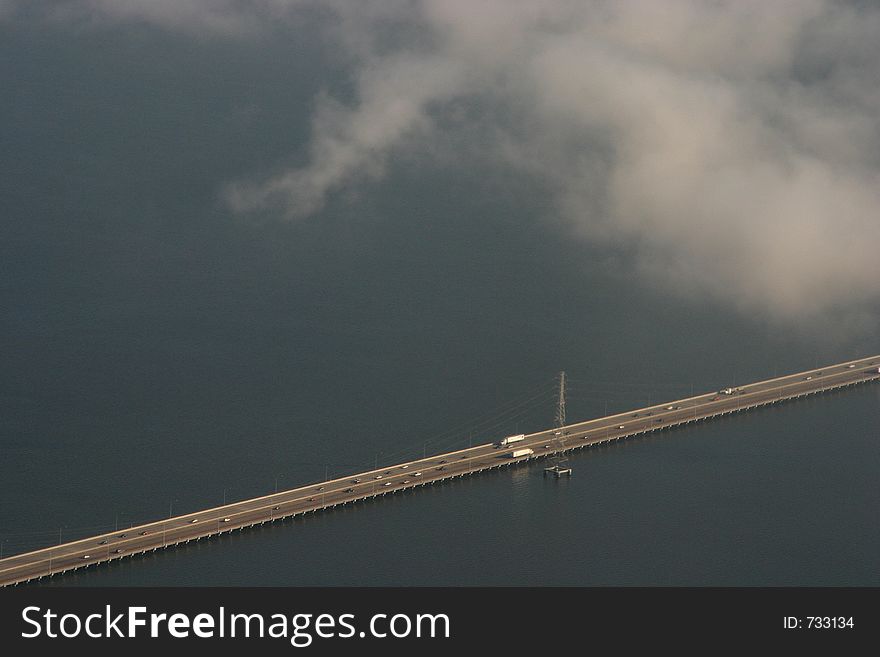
(515, 454)
(511, 439)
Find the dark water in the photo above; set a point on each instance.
(158, 353)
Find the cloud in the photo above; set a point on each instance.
(732, 147)
(351, 144)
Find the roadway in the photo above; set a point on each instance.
(403, 476)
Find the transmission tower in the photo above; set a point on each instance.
(558, 469)
(560, 404)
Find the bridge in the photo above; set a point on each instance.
(162, 534)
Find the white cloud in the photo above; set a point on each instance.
(351, 144)
(732, 146)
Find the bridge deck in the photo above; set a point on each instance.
(299, 501)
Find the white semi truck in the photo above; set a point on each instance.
(515, 454)
(511, 439)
